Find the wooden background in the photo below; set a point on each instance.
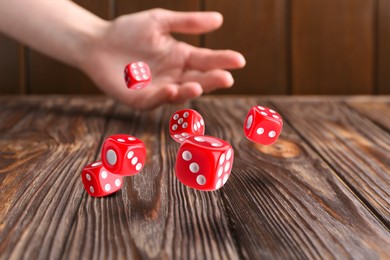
(292, 47)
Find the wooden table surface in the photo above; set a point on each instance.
(322, 191)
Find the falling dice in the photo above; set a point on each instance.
(123, 154)
(204, 162)
(137, 75)
(98, 181)
(263, 125)
(185, 123)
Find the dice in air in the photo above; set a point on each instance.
(185, 123)
(98, 181)
(204, 162)
(123, 154)
(137, 75)
(263, 125)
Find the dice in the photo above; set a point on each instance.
(98, 181)
(204, 162)
(263, 125)
(137, 75)
(123, 154)
(185, 123)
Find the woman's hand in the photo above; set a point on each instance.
(179, 71)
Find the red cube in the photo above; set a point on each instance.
(263, 125)
(137, 75)
(204, 162)
(123, 154)
(98, 181)
(185, 123)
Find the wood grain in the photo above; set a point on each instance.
(333, 46)
(154, 216)
(48, 76)
(283, 201)
(356, 148)
(383, 47)
(375, 110)
(259, 30)
(10, 67)
(44, 143)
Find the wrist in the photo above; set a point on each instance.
(88, 39)
(60, 29)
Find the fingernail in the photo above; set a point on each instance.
(230, 80)
(218, 17)
(242, 60)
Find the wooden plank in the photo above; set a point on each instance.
(384, 47)
(10, 65)
(356, 148)
(377, 111)
(48, 76)
(127, 7)
(42, 154)
(333, 46)
(283, 201)
(154, 215)
(259, 30)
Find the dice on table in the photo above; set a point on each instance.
(137, 75)
(98, 181)
(123, 154)
(263, 125)
(204, 162)
(185, 123)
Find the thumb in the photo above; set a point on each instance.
(187, 22)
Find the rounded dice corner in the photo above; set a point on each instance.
(98, 181)
(262, 125)
(185, 123)
(202, 165)
(137, 75)
(123, 154)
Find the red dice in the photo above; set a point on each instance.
(263, 125)
(204, 162)
(123, 154)
(185, 123)
(137, 75)
(98, 181)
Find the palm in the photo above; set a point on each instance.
(179, 71)
(168, 65)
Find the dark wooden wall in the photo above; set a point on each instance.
(292, 47)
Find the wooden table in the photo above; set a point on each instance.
(322, 191)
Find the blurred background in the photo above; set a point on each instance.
(292, 47)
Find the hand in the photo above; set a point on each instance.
(179, 71)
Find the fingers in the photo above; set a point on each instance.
(206, 59)
(210, 80)
(187, 22)
(187, 91)
(156, 95)
(151, 97)
(172, 93)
